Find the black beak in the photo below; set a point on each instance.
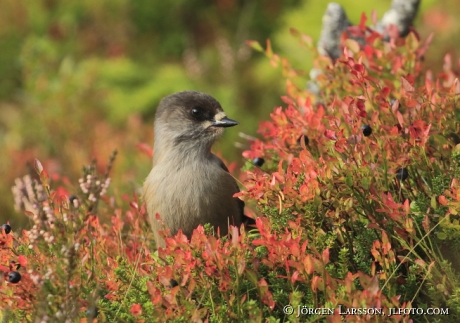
(224, 122)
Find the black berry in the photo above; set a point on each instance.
(304, 138)
(173, 283)
(7, 228)
(92, 312)
(258, 161)
(367, 130)
(14, 277)
(402, 174)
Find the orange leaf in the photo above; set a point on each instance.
(442, 200)
(325, 256)
(136, 309)
(308, 264)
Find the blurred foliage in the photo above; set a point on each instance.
(81, 78)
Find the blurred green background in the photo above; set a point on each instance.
(80, 78)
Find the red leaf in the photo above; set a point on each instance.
(146, 149)
(425, 46)
(400, 118)
(266, 295)
(136, 309)
(330, 134)
(359, 68)
(294, 277)
(406, 85)
(385, 91)
(117, 224)
(155, 293)
(411, 103)
(287, 100)
(395, 106)
(396, 129)
(315, 282)
(22, 260)
(362, 23)
(339, 145)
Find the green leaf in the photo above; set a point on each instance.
(254, 44)
(352, 45)
(434, 204)
(441, 235)
(414, 207)
(349, 180)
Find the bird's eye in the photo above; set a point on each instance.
(197, 112)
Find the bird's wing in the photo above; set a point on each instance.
(244, 218)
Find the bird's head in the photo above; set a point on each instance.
(190, 118)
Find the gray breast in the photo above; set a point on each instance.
(196, 200)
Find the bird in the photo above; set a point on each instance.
(188, 185)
